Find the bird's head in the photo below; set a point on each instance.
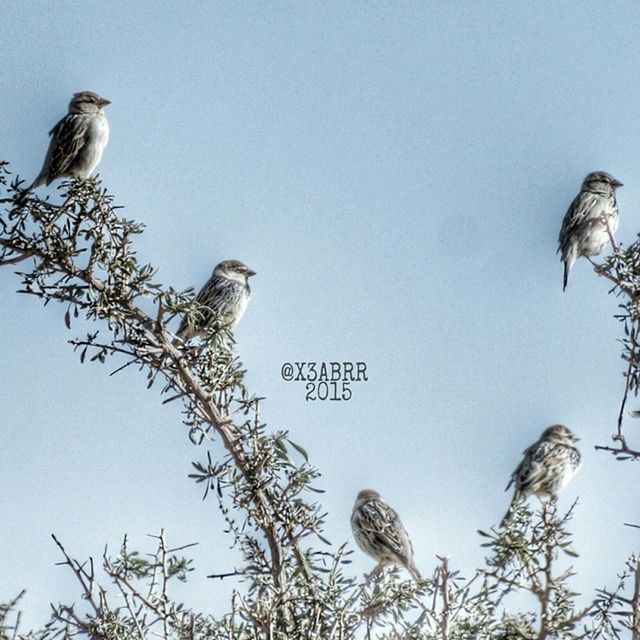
(234, 270)
(600, 181)
(87, 102)
(559, 433)
(367, 494)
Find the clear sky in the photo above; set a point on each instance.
(396, 173)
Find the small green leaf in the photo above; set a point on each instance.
(299, 449)
(323, 539)
(280, 448)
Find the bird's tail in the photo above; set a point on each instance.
(40, 180)
(567, 266)
(569, 256)
(184, 333)
(22, 198)
(176, 343)
(514, 502)
(375, 572)
(413, 570)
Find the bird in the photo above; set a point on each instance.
(589, 221)
(378, 531)
(77, 141)
(546, 468)
(222, 299)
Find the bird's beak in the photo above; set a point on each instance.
(250, 273)
(104, 102)
(617, 183)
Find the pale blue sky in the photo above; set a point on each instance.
(396, 174)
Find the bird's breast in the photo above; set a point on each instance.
(100, 130)
(97, 139)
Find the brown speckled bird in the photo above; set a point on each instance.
(546, 468)
(379, 533)
(223, 298)
(592, 216)
(77, 141)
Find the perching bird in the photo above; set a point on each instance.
(223, 298)
(379, 533)
(546, 467)
(77, 141)
(584, 228)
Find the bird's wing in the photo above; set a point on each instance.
(558, 454)
(512, 479)
(518, 471)
(207, 302)
(535, 465)
(382, 524)
(211, 293)
(582, 208)
(214, 297)
(67, 138)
